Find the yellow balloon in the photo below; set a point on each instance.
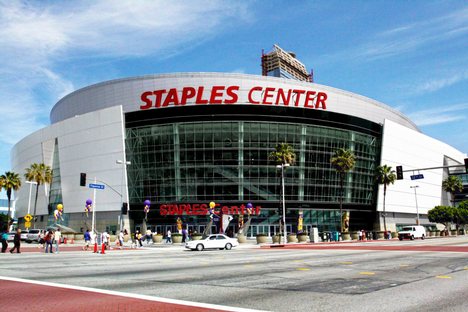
(212, 205)
(59, 206)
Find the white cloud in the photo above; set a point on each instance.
(37, 36)
(440, 83)
(435, 116)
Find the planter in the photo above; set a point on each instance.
(432, 233)
(380, 235)
(79, 237)
(157, 238)
(355, 235)
(262, 239)
(292, 238)
(345, 236)
(453, 232)
(176, 239)
(276, 239)
(302, 238)
(196, 236)
(112, 238)
(242, 239)
(126, 238)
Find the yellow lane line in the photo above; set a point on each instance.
(303, 269)
(367, 273)
(443, 276)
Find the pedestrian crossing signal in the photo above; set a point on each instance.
(466, 165)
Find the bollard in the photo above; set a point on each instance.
(103, 248)
(95, 247)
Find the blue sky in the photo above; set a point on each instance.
(411, 55)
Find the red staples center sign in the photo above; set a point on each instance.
(203, 209)
(257, 95)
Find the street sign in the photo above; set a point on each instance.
(96, 186)
(28, 218)
(417, 177)
(27, 224)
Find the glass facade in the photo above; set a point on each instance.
(227, 161)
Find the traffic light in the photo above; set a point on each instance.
(82, 179)
(124, 208)
(399, 172)
(466, 165)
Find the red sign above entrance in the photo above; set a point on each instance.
(232, 95)
(202, 209)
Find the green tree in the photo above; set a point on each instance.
(385, 176)
(461, 214)
(10, 181)
(283, 154)
(343, 161)
(441, 214)
(452, 185)
(41, 174)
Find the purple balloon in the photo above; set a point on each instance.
(89, 202)
(249, 205)
(147, 202)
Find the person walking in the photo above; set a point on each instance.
(87, 239)
(57, 238)
(121, 239)
(4, 239)
(149, 237)
(184, 235)
(105, 239)
(16, 242)
(168, 237)
(48, 242)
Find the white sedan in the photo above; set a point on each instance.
(214, 241)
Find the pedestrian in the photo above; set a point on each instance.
(139, 237)
(48, 241)
(41, 239)
(4, 239)
(149, 237)
(57, 238)
(105, 237)
(121, 239)
(168, 237)
(87, 239)
(16, 242)
(184, 235)
(360, 235)
(92, 240)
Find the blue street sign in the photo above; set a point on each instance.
(96, 186)
(417, 177)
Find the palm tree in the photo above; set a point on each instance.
(386, 176)
(452, 185)
(282, 155)
(41, 174)
(10, 181)
(343, 161)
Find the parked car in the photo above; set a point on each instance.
(214, 241)
(412, 232)
(34, 235)
(24, 235)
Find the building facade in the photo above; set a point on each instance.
(194, 138)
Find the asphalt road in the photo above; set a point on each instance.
(359, 278)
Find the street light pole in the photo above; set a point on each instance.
(284, 201)
(124, 173)
(416, 200)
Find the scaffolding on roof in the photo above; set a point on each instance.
(280, 63)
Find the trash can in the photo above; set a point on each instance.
(336, 236)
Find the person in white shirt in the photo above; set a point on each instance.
(57, 238)
(121, 239)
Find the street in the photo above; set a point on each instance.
(351, 278)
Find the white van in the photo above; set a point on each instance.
(412, 232)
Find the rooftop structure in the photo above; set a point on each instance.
(279, 63)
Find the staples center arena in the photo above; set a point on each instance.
(184, 140)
